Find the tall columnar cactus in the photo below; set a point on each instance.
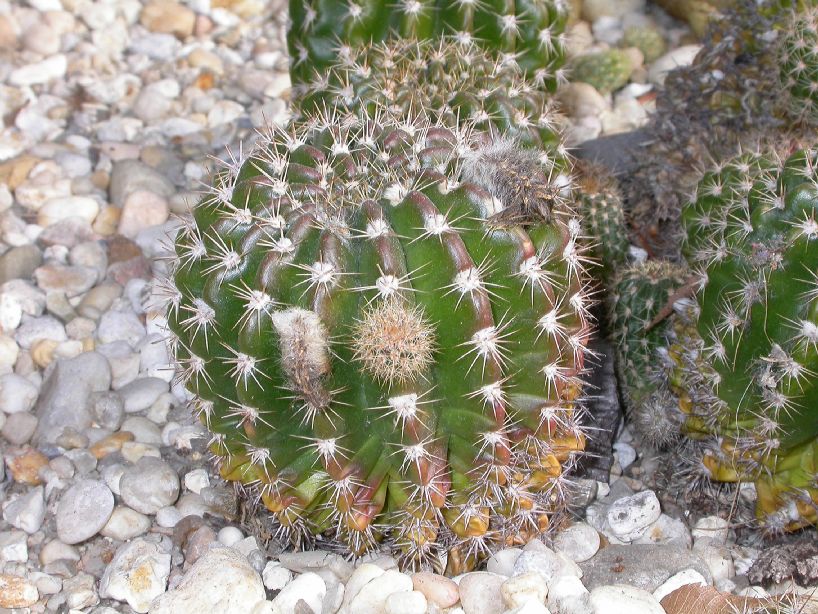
(798, 64)
(459, 83)
(639, 328)
(527, 33)
(600, 207)
(748, 375)
(382, 319)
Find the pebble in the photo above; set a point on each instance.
(25, 465)
(579, 542)
(55, 550)
(138, 574)
(13, 547)
(711, 528)
(17, 592)
(19, 428)
(220, 581)
(232, 535)
(684, 577)
(542, 561)
(27, 511)
(623, 598)
(568, 595)
(274, 576)
(141, 393)
(80, 591)
(142, 210)
(309, 587)
(582, 100)
(108, 409)
(681, 56)
(83, 511)
(125, 523)
(371, 598)
(149, 485)
(522, 588)
(438, 590)
(480, 593)
(629, 517)
(43, 71)
(405, 602)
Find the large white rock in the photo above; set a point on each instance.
(222, 581)
(371, 599)
(681, 56)
(579, 542)
(567, 595)
(138, 574)
(629, 517)
(620, 598)
(308, 587)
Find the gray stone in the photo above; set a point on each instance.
(19, 428)
(44, 327)
(80, 591)
(107, 409)
(579, 542)
(149, 485)
(127, 176)
(19, 262)
(629, 517)
(141, 393)
(17, 395)
(643, 566)
(65, 396)
(27, 511)
(120, 326)
(83, 510)
(480, 593)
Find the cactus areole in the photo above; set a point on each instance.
(379, 353)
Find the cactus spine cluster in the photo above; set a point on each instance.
(748, 361)
(382, 315)
(528, 34)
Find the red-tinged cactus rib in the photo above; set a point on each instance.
(379, 352)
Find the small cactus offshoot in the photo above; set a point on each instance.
(382, 354)
(530, 34)
(605, 70)
(748, 364)
(639, 329)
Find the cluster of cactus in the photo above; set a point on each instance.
(528, 33)
(747, 366)
(382, 312)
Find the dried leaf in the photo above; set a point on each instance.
(697, 599)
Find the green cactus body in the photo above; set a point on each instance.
(377, 351)
(605, 70)
(599, 205)
(639, 295)
(798, 64)
(529, 32)
(749, 374)
(461, 84)
(648, 39)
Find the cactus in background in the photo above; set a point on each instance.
(647, 38)
(798, 64)
(460, 83)
(639, 295)
(529, 33)
(605, 70)
(747, 363)
(382, 318)
(599, 205)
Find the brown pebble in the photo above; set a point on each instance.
(198, 543)
(17, 592)
(437, 589)
(184, 528)
(26, 464)
(110, 444)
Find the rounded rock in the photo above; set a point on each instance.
(149, 485)
(629, 517)
(405, 602)
(579, 542)
(309, 587)
(125, 524)
(83, 511)
(437, 589)
(17, 394)
(619, 598)
(480, 593)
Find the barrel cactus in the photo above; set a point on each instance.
(382, 319)
(747, 371)
(529, 33)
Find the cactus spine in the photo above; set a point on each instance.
(383, 316)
